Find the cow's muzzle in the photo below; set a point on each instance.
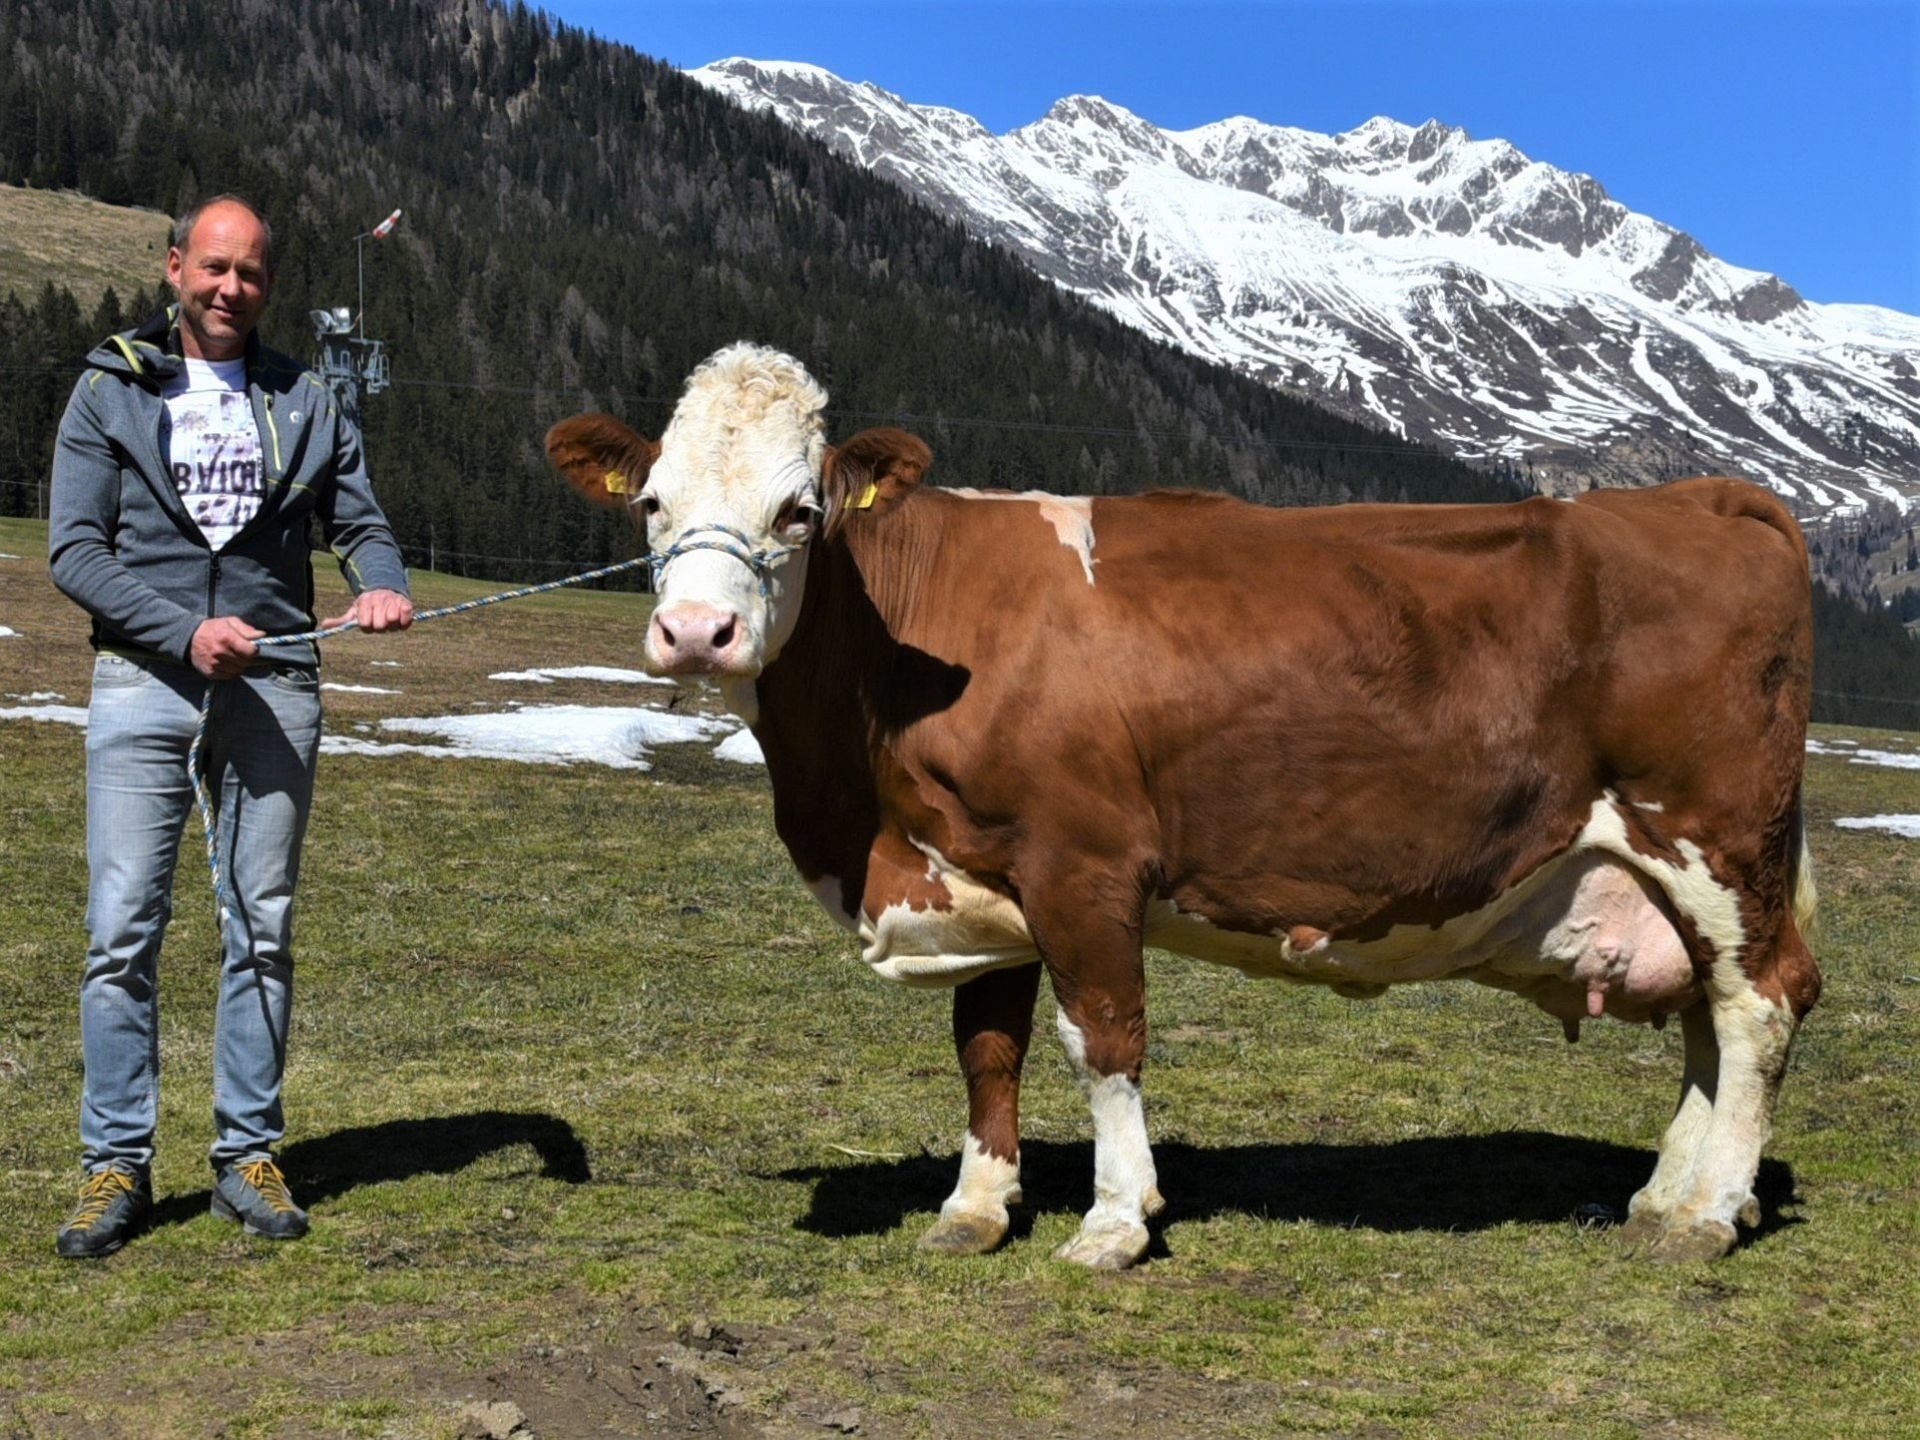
(696, 639)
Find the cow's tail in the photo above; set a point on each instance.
(1806, 900)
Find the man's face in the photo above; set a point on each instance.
(222, 279)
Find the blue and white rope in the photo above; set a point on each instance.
(199, 779)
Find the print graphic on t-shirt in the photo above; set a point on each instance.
(214, 451)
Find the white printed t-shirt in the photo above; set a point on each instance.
(213, 447)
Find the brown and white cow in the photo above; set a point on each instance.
(1555, 748)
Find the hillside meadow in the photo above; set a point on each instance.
(600, 1119)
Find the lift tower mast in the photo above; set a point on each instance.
(352, 365)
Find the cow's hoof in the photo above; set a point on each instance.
(966, 1232)
(1640, 1229)
(1153, 1202)
(1117, 1245)
(1749, 1213)
(1700, 1240)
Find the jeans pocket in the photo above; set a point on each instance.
(294, 680)
(117, 672)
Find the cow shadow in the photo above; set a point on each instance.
(328, 1166)
(1436, 1183)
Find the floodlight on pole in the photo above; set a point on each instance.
(378, 232)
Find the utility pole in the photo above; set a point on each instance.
(352, 365)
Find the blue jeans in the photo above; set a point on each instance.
(263, 736)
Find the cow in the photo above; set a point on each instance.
(1554, 747)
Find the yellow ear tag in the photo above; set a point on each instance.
(615, 482)
(867, 497)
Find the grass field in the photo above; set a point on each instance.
(81, 244)
(597, 1114)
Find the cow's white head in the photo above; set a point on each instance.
(730, 499)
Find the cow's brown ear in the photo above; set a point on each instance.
(605, 459)
(873, 472)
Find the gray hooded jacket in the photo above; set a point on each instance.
(124, 548)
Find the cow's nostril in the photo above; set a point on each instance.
(666, 632)
(723, 634)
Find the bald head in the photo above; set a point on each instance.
(221, 266)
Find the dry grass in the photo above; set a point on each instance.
(78, 243)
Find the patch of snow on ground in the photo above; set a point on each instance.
(741, 748)
(60, 714)
(5, 631)
(1908, 825)
(9, 557)
(356, 689)
(38, 695)
(556, 734)
(389, 664)
(1855, 756)
(615, 736)
(546, 675)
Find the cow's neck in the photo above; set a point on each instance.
(842, 687)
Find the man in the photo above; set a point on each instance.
(188, 466)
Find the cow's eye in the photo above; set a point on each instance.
(803, 513)
(649, 504)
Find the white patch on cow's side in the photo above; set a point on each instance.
(1126, 1188)
(1652, 807)
(831, 892)
(1070, 515)
(980, 930)
(1581, 933)
(987, 1184)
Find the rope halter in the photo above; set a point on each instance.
(760, 561)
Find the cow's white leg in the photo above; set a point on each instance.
(992, 1025)
(1754, 1035)
(1686, 1133)
(1126, 1190)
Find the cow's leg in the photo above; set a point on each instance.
(1099, 979)
(1755, 1035)
(992, 1024)
(1680, 1146)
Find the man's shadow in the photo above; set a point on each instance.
(328, 1166)
(1438, 1183)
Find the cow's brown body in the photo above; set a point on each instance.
(1552, 747)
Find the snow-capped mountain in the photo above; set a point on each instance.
(1447, 288)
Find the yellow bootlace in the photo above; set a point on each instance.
(265, 1177)
(97, 1192)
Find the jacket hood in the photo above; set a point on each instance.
(149, 354)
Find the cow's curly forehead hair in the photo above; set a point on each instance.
(748, 397)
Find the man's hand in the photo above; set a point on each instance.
(223, 646)
(376, 610)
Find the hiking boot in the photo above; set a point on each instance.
(255, 1193)
(114, 1204)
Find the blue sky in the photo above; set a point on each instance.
(1784, 137)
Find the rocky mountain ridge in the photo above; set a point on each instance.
(1450, 288)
